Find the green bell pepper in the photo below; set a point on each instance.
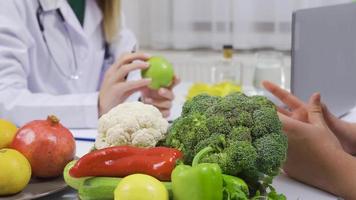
(198, 182)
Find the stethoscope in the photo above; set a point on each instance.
(75, 74)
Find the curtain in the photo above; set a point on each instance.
(191, 24)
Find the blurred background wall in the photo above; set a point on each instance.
(191, 24)
(191, 34)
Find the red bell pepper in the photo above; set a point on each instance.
(121, 161)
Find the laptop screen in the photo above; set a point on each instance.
(324, 55)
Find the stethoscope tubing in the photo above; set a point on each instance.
(75, 75)
(108, 58)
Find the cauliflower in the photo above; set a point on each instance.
(133, 123)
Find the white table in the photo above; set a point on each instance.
(292, 189)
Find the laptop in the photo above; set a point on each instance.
(324, 55)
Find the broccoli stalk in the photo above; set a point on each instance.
(232, 158)
(201, 154)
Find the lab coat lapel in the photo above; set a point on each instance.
(72, 20)
(92, 20)
(68, 14)
(93, 17)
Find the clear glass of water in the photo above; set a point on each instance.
(268, 66)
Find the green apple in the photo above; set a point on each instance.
(160, 71)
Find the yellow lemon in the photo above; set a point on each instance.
(7, 133)
(15, 171)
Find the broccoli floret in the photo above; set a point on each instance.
(199, 104)
(232, 113)
(237, 97)
(242, 102)
(266, 121)
(243, 118)
(186, 132)
(237, 156)
(219, 158)
(216, 141)
(220, 107)
(271, 150)
(242, 155)
(240, 133)
(218, 125)
(249, 104)
(262, 102)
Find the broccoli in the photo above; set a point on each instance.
(199, 104)
(265, 121)
(237, 98)
(218, 125)
(262, 102)
(241, 156)
(186, 132)
(240, 133)
(242, 102)
(271, 150)
(233, 158)
(244, 133)
(232, 113)
(217, 141)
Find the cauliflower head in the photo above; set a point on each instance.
(132, 123)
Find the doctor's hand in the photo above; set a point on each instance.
(344, 131)
(115, 89)
(162, 98)
(315, 155)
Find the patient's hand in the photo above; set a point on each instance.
(315, 155)
(345, 132)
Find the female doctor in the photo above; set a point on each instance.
(69, 58)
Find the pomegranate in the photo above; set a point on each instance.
(47, 144)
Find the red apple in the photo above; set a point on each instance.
(47, 144)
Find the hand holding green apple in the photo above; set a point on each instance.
(160, 71)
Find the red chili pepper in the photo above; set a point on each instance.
(121, 161)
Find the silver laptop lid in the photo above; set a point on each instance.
(324, 55)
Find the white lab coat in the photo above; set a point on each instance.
(31, 86)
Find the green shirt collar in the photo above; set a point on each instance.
(78, 7)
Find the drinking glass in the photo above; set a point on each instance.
(268, 66)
